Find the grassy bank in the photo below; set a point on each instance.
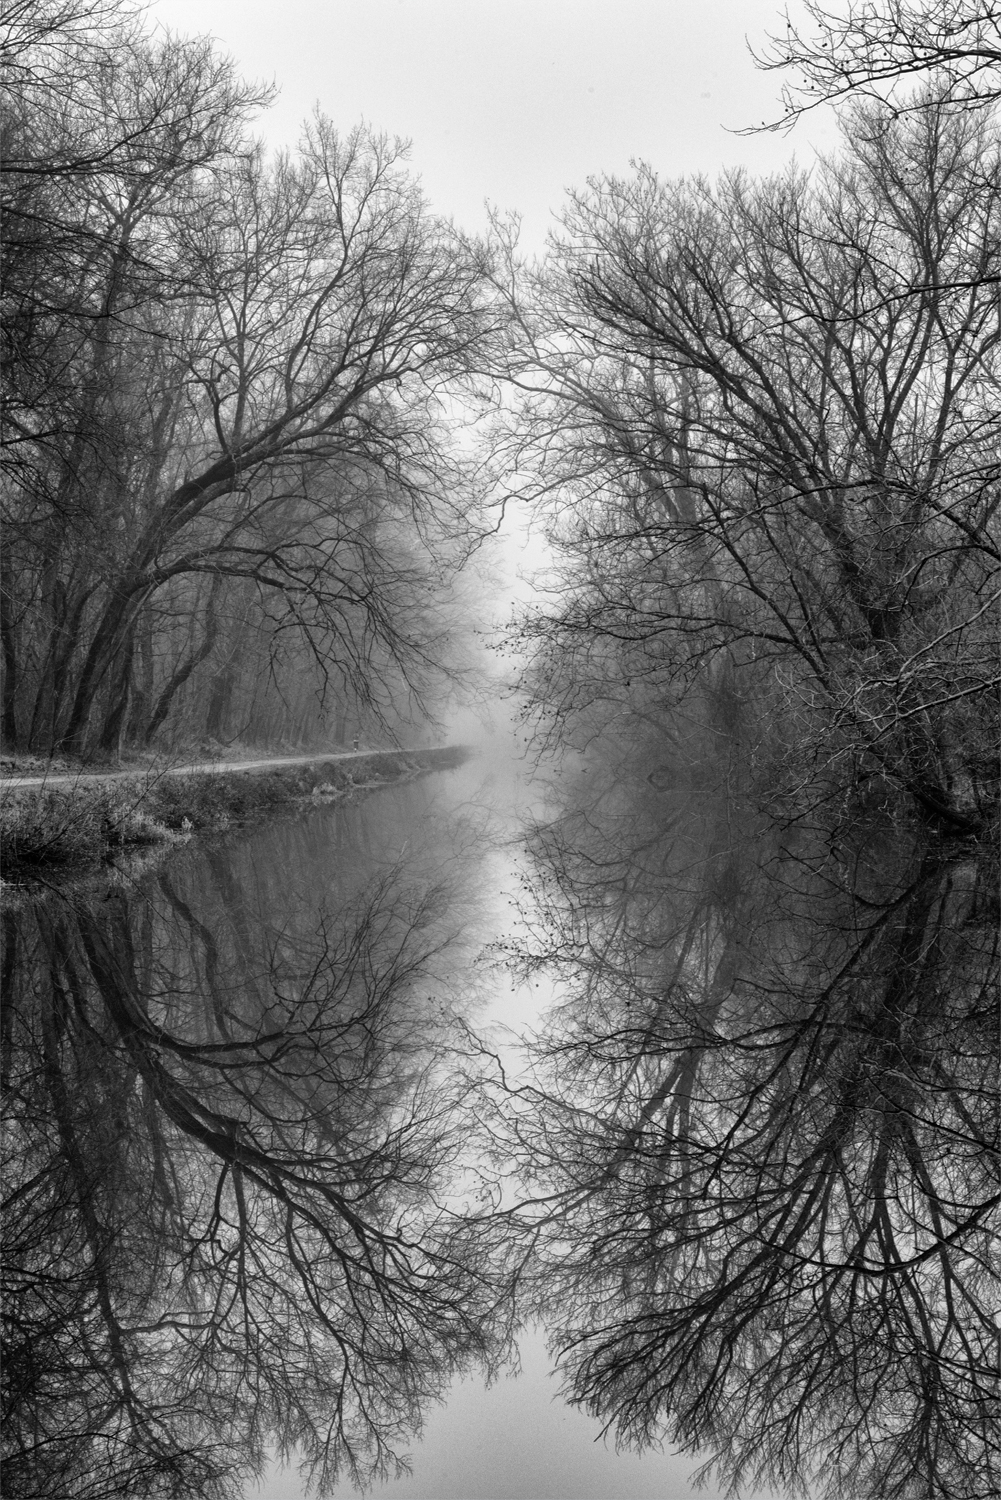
(93, 818)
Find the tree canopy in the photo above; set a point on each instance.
(224, 408)
(881, 47)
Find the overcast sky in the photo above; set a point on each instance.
(513, 102)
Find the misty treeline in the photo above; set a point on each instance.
(234, 503)
(235, 497)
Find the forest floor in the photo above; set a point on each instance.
(85, 815)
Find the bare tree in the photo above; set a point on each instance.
(767, 413)
(872, 46)
(103, 130)
(238, 376)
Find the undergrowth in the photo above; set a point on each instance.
(92, 820)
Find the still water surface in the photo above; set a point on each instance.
(241, 1140)
(256, 1144)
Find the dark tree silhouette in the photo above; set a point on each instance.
(766, 415)
(224, 379)
(874, 46)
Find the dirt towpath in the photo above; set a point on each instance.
(203, 768)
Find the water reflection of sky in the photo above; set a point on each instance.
(517, 1440)
(265, 1084)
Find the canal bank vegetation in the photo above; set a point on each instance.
(94, 818)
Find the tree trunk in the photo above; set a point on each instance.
(193, 660)
(10, 730)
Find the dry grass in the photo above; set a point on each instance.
(61, 825)
(94, 819)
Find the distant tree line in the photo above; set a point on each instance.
(230, 494)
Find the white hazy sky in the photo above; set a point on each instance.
(512, 102)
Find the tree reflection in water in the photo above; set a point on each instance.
(762, 1130)
(231, 1135)
(752, 1177)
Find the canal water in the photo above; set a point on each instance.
(267, 1096)
(244, 1115)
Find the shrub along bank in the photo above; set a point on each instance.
(91, 818)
